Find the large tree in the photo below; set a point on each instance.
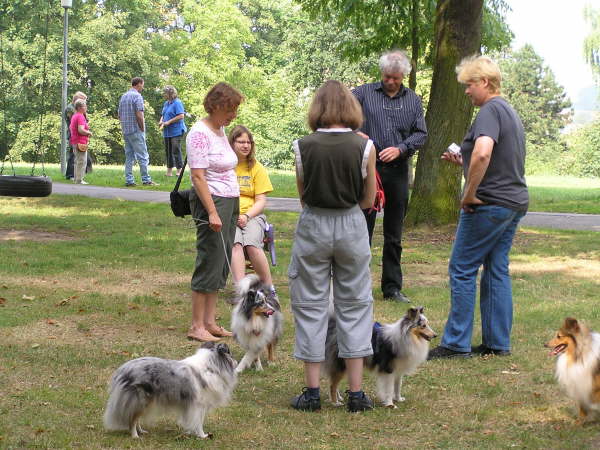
(436, 190)
(531, 88)
(591, 44)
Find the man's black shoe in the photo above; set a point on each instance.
(443, 352)
(485, 351)
(129, 184)
(303, 402)
(397, 296)
(359, 402)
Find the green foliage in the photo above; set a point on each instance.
(531, 88)
(591, 44)
(583, 158)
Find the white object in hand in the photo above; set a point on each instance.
(453, 148)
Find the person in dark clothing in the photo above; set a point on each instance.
(394, 121)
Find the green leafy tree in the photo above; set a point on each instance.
(437, 184)
(591, 44)
(531, 88)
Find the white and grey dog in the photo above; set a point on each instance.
(146, 388)
(256, 321)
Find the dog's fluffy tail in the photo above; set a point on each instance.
(125, 404)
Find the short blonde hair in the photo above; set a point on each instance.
(79, 103)
(475, 68)
(334, 104)
(77, 95)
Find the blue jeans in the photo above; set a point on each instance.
(135, 149)
(483, 237)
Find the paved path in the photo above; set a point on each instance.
(563, 221)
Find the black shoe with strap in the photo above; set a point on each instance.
(484, 350)
(442, 352)
(358, 403)
(304, 402)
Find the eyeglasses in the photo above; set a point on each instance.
(243, 142)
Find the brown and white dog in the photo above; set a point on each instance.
(578, 365)
(256, 321)
(398, 349)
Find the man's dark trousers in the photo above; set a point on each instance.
(394, 179)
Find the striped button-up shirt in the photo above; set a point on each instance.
(392, 121)
(131, 102)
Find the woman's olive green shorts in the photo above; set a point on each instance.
(211, 271)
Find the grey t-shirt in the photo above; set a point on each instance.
(504, 180)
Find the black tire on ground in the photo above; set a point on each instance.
(25, 186)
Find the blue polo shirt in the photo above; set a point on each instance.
(170, 110)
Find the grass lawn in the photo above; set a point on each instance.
(87, 284)
(548, 193)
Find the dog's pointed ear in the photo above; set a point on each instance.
(571, 325)
(412, 313)
(420, 309)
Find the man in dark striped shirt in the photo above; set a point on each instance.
(393, 119)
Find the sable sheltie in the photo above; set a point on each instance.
(145, 388)
(398, 349)
(256, 321)
(578, 364)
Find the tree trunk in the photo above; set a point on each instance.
(436, 193)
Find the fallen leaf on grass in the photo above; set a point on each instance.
(2, 301)
(335, 435)
(28, 297)
(4, 286)
(510, 372)
(132, 306)
(35, 345)
(488, 431)
(39, 430)
(51, 322)
(63, 302)
(171, 328)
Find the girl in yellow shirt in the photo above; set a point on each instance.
(254, 186)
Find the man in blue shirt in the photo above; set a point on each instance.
(173, 127)
(131, 115)
(393, 119)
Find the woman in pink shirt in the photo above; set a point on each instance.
(214, 202)
(80, 134)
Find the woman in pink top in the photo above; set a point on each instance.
(214, 202)
(80, 134)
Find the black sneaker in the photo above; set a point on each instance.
(359, 403)
(485, 351)
(150, 183)
(443, 352)
(303, 402)
(397, 296)
(129, 184)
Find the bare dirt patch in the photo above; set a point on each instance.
(129, 283)
(34, 235)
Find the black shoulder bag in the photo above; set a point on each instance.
(180, 200)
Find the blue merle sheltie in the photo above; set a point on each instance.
(147, 388)
(398, 349)
(256, 321)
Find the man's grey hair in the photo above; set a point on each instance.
(395, 61)
(79, 103)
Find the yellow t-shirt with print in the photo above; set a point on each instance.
(252, 182)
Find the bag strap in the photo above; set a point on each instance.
(180, 176)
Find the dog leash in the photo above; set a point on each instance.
(198, 222)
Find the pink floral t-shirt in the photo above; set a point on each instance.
(206, 150)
